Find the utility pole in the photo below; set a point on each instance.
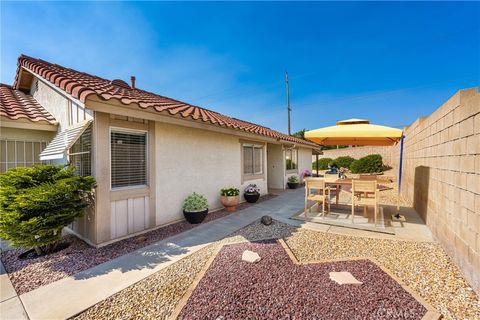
(288, 101)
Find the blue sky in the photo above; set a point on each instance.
(387, 62)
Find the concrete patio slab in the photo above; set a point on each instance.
(12, 309)
(6, 288)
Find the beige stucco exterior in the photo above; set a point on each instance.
(194, 160)
(184, 156)
(21, 134)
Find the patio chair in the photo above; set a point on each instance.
(364, 192)
(316, 190)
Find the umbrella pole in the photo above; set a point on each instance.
(400, 177)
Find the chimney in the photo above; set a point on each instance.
(132, 82)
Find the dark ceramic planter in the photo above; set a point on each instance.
(251, 197)
(195, 217)
(292, 185)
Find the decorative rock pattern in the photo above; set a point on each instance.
(424, 267)
(277, 288)
(29, 274)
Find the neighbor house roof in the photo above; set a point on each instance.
(15, 105)
(80, 85)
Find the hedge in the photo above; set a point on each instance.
(369, 164)
(322, 164)
(342, 162)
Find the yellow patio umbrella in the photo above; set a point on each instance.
(356, 132)
(360, 132)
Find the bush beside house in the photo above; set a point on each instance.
(36, 203)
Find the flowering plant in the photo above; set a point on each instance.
(252, 188)
(230, 192)
(306, 173)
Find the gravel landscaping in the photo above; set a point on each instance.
(422, 266)
(276, 288)
(29, 274)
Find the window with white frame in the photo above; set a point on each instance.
(128, 158)
(19, 153)
(252, 159)
(291, 159)
(80, 154)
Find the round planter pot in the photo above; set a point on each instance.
(230, 203)
(292, 185)
(251, 197)
(196, 216)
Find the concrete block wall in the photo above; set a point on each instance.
(442, 177)
(359, 152)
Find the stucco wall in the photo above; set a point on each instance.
(52, 101)
(26, 134)
(304, 159)
(192, 160)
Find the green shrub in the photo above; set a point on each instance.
(37, 202)
(230, 192)
(322, 164)
(342, 162)
(293, 179)
(369, 164)
(195, 202)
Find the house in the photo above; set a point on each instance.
(146, 151)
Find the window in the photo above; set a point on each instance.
(128, 158)
(291, 159)
(15, 153)
(80, 154)
(252, 159)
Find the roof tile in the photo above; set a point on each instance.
(80, 85)
(14, 105)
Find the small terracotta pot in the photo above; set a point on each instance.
(230, 203)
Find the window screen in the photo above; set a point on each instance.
(252, 159)
(291, 159)
(80, 154)
(128, 158)
(15, 153)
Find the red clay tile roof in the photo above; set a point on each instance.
(15, 105)
(80, 85)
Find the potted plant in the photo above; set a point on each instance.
(230, 198)
(306, 173)
(195, 208)
(251, 193)
(293, 182)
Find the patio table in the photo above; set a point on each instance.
(347, 182)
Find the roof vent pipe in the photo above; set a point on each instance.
(132, 82)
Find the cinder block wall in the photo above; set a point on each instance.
(358, 152)
(442, 177)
